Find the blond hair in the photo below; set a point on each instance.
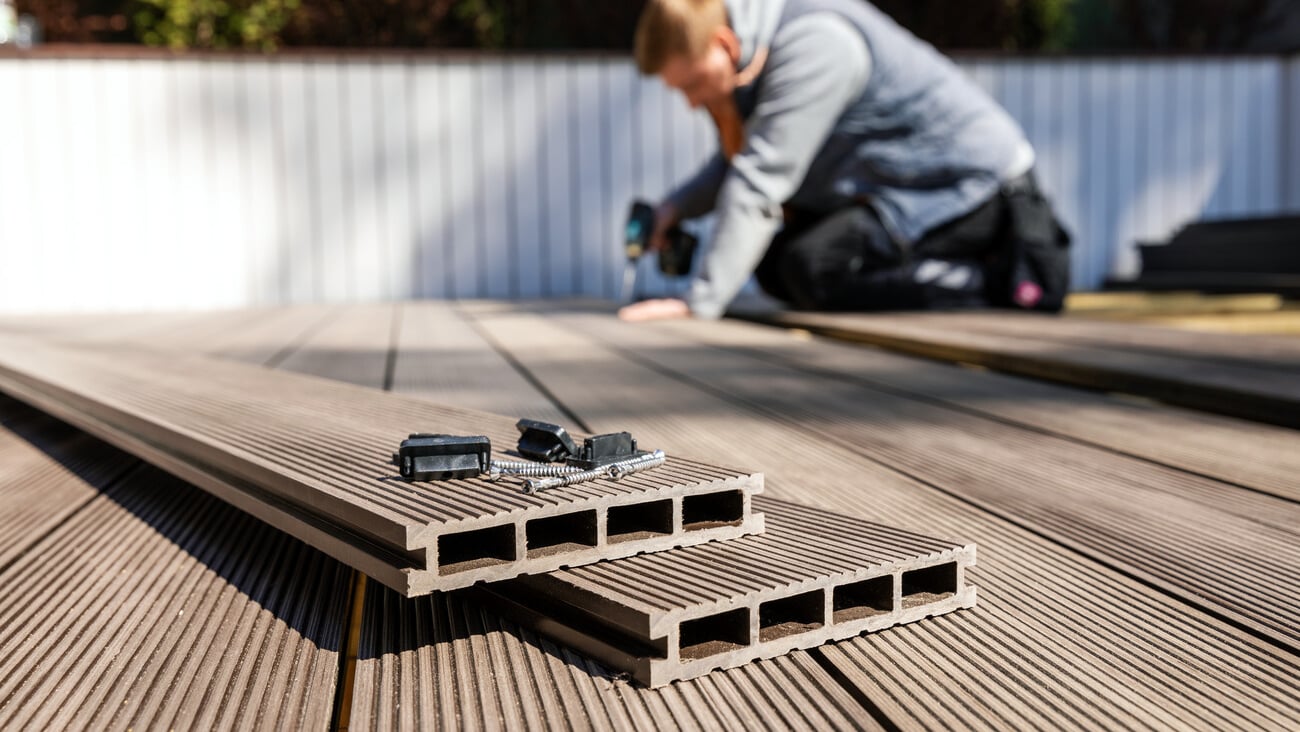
(670, 28)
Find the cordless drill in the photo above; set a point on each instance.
(674, 260)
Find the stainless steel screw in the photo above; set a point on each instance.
(617, 471)
(501, 468)
(614, 470)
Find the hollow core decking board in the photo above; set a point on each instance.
(507, 676)
(1058, 682)
(1020, 659)
(157, 606)
(812, 577)
(1142, 518)
(447, 662)
(310, 456)
(1265, 395)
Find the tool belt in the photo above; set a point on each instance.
(1030, 270)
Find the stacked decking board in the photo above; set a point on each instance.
(814, 576)
(444, 661)
(311, 457)
(1147, 656)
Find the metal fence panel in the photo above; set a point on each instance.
(208, 182)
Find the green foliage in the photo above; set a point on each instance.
(212, 24)
(1045, 25)
(486, 19)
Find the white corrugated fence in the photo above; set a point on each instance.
(210, 181)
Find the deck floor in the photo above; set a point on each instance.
(1139, 562)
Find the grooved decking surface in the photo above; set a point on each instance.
(154, 605)
(311, 457)
(811, 577)
(1252, 377)
(1135, 565)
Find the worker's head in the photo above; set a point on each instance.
(690, 46)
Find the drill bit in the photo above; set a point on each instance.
(629, 280)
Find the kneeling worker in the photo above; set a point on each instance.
(859, 169)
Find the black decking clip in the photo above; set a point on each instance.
(443, 457)
(602, 450)
(545, 442)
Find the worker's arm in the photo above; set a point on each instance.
(819, 65)
(698, 195)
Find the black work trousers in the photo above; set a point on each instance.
(846, 260)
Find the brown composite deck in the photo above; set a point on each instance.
(1252, 377)
(1138, 562)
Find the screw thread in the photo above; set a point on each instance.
(500, 468)
(613, 471)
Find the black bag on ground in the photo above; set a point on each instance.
(1031, 271)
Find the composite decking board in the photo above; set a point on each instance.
(323, 448)
(656, 589)
(767, 594)
(352, 346)
(239, 625)
(48, 471)
(1280, 323)
(173, 611)
(1146, 519)
(1265, 395)
(1019, 659)
(1143, 304)
(439, 356)
(1256, 352)
(1261, 457)
(506, 675)
(134, 328)
(250, 335)
(270, 336)
(446, 661)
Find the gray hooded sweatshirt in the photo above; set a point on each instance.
(849, 107)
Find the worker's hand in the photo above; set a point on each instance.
(665, 309)
(665, 219)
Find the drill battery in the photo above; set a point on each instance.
(675, 260)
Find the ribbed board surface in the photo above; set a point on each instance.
(802, 546)
(354, 347)
(1059, 641)
(47, 472)
(1255, 352)
(1236, 451)
(439, 356)
(1149, 520)
(157, 606)
(444, 662)
(814, 576)
(324, 447)
(1264, 394)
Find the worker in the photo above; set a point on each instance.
(858, 169)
